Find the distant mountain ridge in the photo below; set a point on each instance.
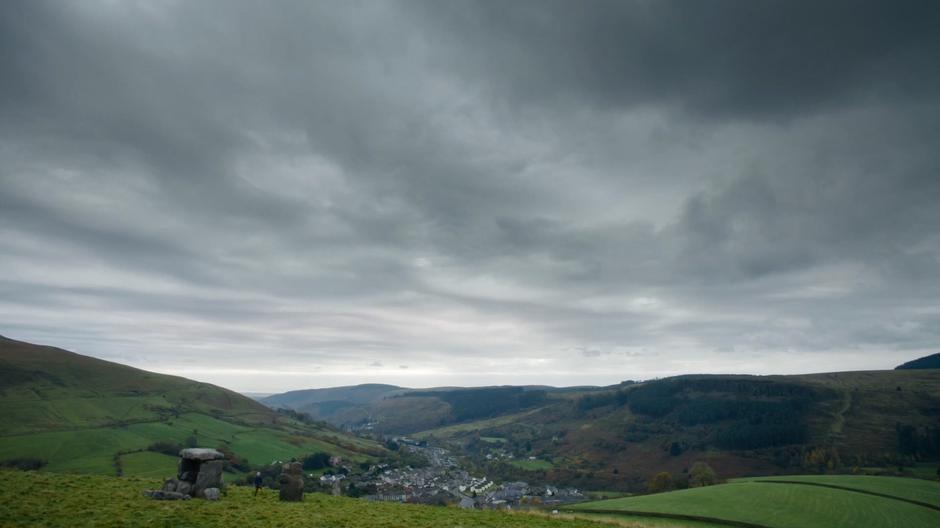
(927, 362)
(364, 393)
(393, 409)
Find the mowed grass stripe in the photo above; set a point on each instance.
(918, 491)
(782, 506)
(853, 490)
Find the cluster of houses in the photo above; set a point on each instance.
(444, 482)
(500, 454)
(330, 479)
(521, 495)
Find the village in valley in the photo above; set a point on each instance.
(442, 481)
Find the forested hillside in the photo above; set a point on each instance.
(398, 410)
(743, 425)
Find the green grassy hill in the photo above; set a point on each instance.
(800, 502)
(53, 500)
(915, 490)
(82, 414)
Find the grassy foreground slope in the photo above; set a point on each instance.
(781, 505)
(47, 499)
(81, 414)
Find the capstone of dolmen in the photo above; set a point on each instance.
(201, 454)
(292, 482)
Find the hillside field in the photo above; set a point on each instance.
(53, 500)
(532, 465)
(904, 488)
(84, 415)
(794, 502)
(92, 450)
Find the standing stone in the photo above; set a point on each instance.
(291, 482)
(210, 476)
(211, 494)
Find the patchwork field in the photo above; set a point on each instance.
(477, 425)
(92, 450)
(149, 464)
(799, 502)
(84, 415)
(532, 465)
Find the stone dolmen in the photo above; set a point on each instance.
(199, 475)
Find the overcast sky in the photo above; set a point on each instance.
(283, 195)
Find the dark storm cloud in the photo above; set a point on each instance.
(679, 186)
(765, 58)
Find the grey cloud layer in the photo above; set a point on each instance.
(768, 58)
(350, 187)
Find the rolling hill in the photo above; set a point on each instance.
(742, 425)
(927, 362)
(797, 502)
(399, 410)
(340, 406)
(354, 394)
(81, 414)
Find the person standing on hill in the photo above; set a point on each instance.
(258, 482)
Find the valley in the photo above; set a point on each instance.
(618, 437)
